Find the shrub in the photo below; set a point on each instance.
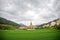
(7, 27)
(57, 27)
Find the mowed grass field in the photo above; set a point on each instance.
(42, 34)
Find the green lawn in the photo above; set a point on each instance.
(43, 34)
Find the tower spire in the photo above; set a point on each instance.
(30, 23)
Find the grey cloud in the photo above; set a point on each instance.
(57, 7)
(16, 9)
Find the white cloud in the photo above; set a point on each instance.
(37, 11)
(9, 7)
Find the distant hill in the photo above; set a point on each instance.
(21, 24)
(8, 22)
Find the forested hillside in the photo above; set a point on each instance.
(8, 22)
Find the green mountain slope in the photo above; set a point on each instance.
(8, 22)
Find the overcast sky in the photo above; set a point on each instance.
(26, 11)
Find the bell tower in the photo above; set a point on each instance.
(30, 23)
(31, 26)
